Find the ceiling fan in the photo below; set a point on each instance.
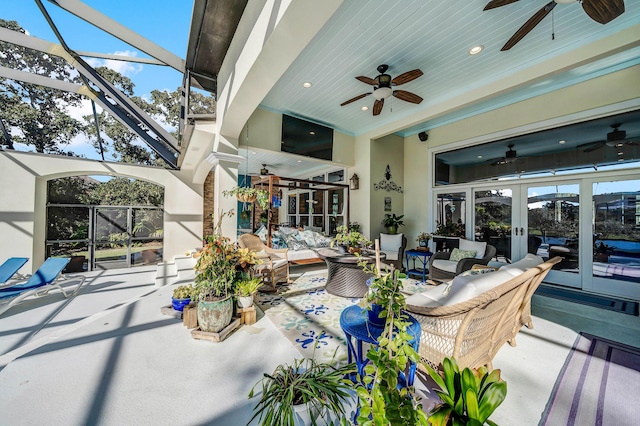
(510, 156)
(383, 84)
(615, 138)
(602, 11)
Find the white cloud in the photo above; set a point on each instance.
(125, 68)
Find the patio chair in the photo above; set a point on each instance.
(40, 283)
(10, 269)
(393, 246)
(443, 268)
(275, 268)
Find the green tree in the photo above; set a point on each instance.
(40, 113)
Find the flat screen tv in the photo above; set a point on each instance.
(305, 138)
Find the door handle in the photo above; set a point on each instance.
(516, 231)
(522, 232)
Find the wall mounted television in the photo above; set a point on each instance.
(305, 138)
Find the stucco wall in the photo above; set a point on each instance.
(23, 201)
(388, 150)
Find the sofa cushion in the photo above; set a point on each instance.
(445, 265)
(479, 246)
(458, 254)
(527, 262)
(429, 298)
(390, 242)
(469, 286)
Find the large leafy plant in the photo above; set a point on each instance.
(347, 237)
(320, 385)
(468, 397)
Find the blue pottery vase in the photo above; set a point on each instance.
(179, 304)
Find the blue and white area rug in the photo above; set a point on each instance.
(310, 317)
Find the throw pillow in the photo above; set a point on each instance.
(294, 244)
(457, 254)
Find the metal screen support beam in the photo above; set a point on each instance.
(6, 134)
(121, 32)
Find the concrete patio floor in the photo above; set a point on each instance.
(109, 357)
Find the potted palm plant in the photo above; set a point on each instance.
(302, 392)
(392, 222)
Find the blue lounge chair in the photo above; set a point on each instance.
(40, 283)
(10, 267)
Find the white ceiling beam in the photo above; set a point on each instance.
(121, 32)
(123, 58)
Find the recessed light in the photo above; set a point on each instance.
(299, 161)
(479, 156)
(620, 153)
(307, 84)
(253, 152)
(364, 108)
(562, 142)
(312, 132)
(620, 159)
(476, 49)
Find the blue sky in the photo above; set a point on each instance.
(164, 22)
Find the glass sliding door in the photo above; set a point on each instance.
(553, 224)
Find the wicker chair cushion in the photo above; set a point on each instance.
(445, 265)
(479, 247)
(428, 299)
(391, 255)
(470, 286)
(457, 254)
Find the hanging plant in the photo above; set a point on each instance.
(247, 194)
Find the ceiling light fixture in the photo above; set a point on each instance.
(253, 152)
(476, 49)
(479, 156)
(562, 142)
(312, 132)
(365, 108)
(299, 161)
(384, 87)
(307, 84)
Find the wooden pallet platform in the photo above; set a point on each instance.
(216, 337)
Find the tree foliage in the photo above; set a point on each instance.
(39, 112)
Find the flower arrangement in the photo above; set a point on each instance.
(347, 237)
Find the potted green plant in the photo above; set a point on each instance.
(301, 392)
(247, 194)
(392, 222)
(602, 252)
(221, 263)
(423, 239)
(181, 297)
(468, 397)
(382, 401)
(245, 289)
(349, 240)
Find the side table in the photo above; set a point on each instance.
(423, 257)
(354, 323)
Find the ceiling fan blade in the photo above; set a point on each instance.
(603, 11)
(407, 96)
(407, 77)
(367, 80)
(377, 106)
(498, 3)
(355, 99)
(529, 25)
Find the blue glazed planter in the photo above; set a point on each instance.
(179, 304)
(373, 318)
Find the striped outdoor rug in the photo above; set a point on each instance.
(599, 384)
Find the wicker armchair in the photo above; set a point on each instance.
(275, 266)
(474, 330)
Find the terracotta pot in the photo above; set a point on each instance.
(214, 316)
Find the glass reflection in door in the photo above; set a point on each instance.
(616, 230)
(553, 224)
(493, 220)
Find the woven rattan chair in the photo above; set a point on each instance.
(474, 330)
(275, 266)
(436, 273)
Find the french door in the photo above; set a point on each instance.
(592, 221)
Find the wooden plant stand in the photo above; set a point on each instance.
(216, 337)
(190, 315)
(247, 315)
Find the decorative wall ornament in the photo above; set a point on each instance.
(387, 184)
